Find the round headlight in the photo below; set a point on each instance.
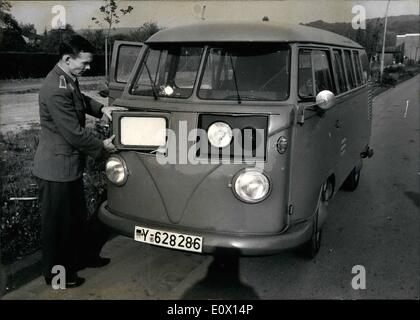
(220, 134)
(116, 170)
(251, 186)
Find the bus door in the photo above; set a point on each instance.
(123, 61)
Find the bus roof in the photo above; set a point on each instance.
(263, 31)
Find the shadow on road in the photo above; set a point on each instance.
(222, 282)
(413, 196)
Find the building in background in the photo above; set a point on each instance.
(410, 43)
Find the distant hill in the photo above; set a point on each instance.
(123, 30)
(396, 24)
(372, 36)
(403, 24)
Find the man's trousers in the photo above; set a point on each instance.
(63, 224)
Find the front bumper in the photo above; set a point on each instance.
(215, 243)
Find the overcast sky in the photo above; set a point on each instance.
(173, 12)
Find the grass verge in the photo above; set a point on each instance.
(20, 221)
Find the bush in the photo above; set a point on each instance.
(20, 220)
(411, 63)
(21, 65)
(411, 73)
(396, 68)
(389, 78)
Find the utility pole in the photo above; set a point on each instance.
(106, 60)
(383, 41)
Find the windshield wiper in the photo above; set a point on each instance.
(234, 79)
(155, 95)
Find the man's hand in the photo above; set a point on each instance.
(108, 110)
(108, 145)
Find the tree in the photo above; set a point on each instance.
(96, 38)
(10, 32)
(5, 6)
(372, 36)
(28, 29)
(51, 40)
(33, 40)
(111, 15)
(144, 32)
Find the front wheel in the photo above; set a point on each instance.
(311, 248)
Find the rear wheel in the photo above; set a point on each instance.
(352, 181)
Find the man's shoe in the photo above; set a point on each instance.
(74, 282)
(71, 282)
(97, 262)
(48, 281)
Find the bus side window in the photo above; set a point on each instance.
(356, 61)
(365, 67)
(349, 68)
(341, 77)
(127, 56)
(322, 71)
(305, 82)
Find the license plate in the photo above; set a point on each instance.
(168, 239)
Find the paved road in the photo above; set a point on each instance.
(19, 101)
(376, 226)
(20, 111)
(33, 85)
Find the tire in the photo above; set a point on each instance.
(352, 181)
(311, 248)
(3, 280)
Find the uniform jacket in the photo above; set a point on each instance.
(64, 142)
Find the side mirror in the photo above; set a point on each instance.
(325, 99)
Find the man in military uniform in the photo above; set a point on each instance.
(63, 146)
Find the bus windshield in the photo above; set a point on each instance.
(258, 72)
(246, 72)
(168, 71)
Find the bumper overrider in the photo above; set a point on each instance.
(215, 243)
